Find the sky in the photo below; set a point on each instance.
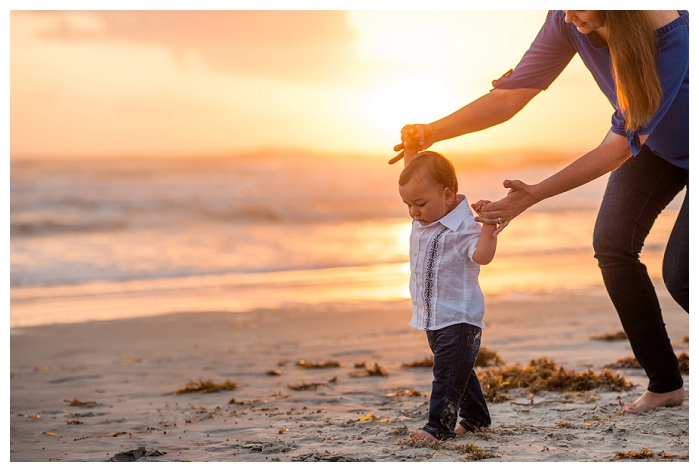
(159, 83)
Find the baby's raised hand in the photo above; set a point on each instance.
(411, 142)
(413, 138)
(410, 136)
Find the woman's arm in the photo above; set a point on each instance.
(609, 155)
(489, 110)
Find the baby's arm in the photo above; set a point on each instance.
(485, 248)
(410, 144)
(487, 243)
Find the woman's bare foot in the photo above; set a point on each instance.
(422, 435)
(650, 401)
(459, 430)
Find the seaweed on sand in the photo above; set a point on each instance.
(642, 454)
(625, 363)
(405, 393)
(206, 386)
(544, 374)
(471, 451)
(487, 358)
(375, 371)
(618, 336)
(427, 362)
(494, 386)
(305, 386)
(318, 365)
(76, 402)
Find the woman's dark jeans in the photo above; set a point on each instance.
(636, 194)
(455, 388)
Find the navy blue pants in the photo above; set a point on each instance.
(636, 194)
(455, 388)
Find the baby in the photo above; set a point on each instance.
(447, 248)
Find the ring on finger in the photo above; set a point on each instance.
(499, 220)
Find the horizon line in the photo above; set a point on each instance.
(520, 155)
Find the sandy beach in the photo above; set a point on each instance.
(105, 390)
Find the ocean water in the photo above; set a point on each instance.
(110, 238)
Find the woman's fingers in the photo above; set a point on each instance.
(501, 212)
(420, 135)
(500, 228)
(514, 185)
(396, 159)
(491, 210)
(493, 221)
(486, 221)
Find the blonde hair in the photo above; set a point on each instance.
(633, 50)
(432, 166)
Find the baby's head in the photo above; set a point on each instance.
(428, 186)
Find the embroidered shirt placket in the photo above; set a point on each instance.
(427, 292)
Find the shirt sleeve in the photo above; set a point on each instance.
(673, 71)
(468, 238)
(545, 59)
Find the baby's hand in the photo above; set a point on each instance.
(411, 142)
(410, 137)
(478, 205)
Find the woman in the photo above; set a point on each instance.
(640, 61)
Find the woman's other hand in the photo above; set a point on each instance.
(519, 197)
(418, 136)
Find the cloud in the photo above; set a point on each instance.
(297, 45)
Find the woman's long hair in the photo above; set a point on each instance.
(633, 49)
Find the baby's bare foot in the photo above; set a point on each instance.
(650, 401)
(422, 435)
(459, 430)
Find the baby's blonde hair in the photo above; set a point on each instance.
(433, 166)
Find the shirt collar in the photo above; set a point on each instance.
(454, 218)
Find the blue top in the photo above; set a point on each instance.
(557, 43)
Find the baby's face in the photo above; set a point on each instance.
(427, 201)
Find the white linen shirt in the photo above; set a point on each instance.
(443, 276)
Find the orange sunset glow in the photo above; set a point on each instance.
(182, 83)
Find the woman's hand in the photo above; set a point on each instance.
(418, 136)
(477, 207)
(520, 196)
